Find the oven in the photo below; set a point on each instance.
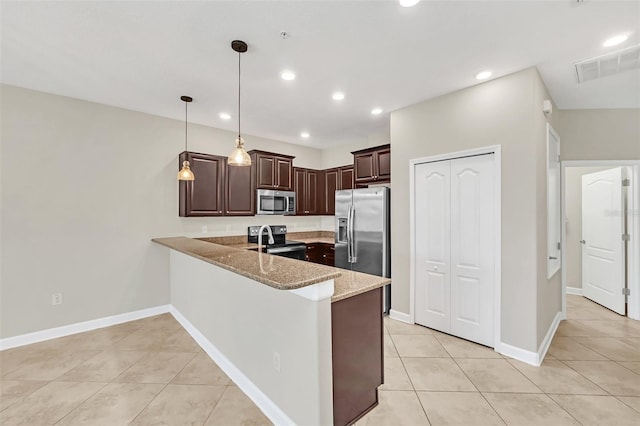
(294, 250)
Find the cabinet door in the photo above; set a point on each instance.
(364, 167)
(300, 187)
(313, 207)
(204, 195)
(239, 196)
(283, 173)
(265, 169)
(346, 178)
(331, 184)
(383, 163)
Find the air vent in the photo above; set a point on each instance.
(609, 64)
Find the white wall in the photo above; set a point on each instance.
(573, 220)
(84, 189)
(497, 112)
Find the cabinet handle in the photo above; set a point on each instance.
(324, 255)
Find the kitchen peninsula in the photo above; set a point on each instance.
(303, 340)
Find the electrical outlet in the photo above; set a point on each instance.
(204, 228)
(56, 299)
(276, 361)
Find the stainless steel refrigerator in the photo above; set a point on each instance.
(362, 241)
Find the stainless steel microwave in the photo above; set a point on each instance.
(276, 202)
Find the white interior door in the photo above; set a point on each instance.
(432, 275)
(454, 276)
(472, 254)
(603, 247)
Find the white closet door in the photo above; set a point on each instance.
(472, 248)
(432, 239)
(602, 229)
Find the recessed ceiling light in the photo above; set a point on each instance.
(224, 116)
(483, 75)
(614, 41)
(408, 3)
(376, 111)
(338, 96)
(304, 135)
(288, 75)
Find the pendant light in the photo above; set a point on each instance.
(239, 156)
(185, 172)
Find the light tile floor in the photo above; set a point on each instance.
(151, 372)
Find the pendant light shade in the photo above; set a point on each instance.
(185, 172)
(239, 156)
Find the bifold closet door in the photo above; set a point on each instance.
(432, 242)
(454, 214)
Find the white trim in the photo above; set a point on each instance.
(529, 357)
(266, 405)
(546, 342)
(79, 327)
(553, 265)
(633, 253)
(576, 291)
(514, 352)
(497, 169)
(401, 316)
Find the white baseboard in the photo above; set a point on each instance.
(266, 405)
(574, 290)
(79, 327)
(530, 357)
(546, 342)
(400, 316)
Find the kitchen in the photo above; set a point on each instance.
(96, 178)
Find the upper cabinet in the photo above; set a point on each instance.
(372, 165)
(202, 196)
(239, 191)
(346, 177)
(309, 191)
(273, 171)
(218, 189)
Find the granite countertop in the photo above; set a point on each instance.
(275, 271)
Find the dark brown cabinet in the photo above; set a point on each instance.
(357, 354)
(308, 188)
(202, 196)
(239, 191)
(273, 171)
(218, 189)
(346, 177)
(323, 253)
(372, 165)
(335, 179)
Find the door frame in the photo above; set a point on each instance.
(633, 221)
(496, 150)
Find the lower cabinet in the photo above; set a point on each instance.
(322, 253)
(358, 369)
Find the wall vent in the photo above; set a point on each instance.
(609, 64)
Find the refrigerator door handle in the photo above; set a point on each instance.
(354, 258)
(349, 235)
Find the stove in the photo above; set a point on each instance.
(281, 246)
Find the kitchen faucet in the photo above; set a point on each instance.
(270, 241)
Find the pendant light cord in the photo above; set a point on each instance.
(186, 111)
(239, 54)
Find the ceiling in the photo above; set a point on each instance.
(144, 55)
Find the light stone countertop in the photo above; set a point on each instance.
(275, 271)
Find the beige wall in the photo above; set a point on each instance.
(549, 291)
(573, 221)
(599, 134)
(499, 112)
(84, 189)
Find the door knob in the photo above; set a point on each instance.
(435, 268)
(583, 242)
(552, 257)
